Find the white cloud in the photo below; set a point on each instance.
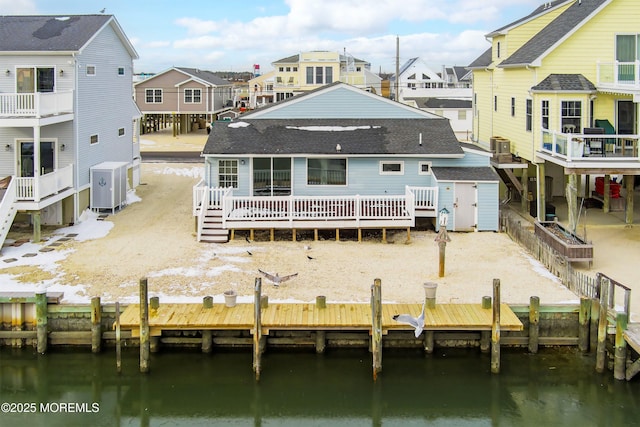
(18, 7)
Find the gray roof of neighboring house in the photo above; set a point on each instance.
(205, 75)
(321, 136)
(483, 61)
(62, 33)
(565, 23)
(473, 146)
(565, 83)
(442, 103)
(465, 173)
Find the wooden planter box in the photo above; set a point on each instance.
(572, 247)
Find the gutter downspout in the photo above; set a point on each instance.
(76, 153)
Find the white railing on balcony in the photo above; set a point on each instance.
(619, 74)
(35, 189)
(35, 104)
(425, 198)
(589, 147)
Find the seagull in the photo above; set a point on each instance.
(276, 279)
(310, 257)
(247, 239)
(416, 322)
(249, 253)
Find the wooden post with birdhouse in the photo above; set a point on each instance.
(442, 238)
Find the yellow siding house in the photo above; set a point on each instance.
(556, 99)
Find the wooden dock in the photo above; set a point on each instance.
(309, 317)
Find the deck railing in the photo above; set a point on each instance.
(35, 189)
(590, 147)
(619, 74)
(35, 104)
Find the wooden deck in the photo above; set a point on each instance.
(299, 316)
(632, 335)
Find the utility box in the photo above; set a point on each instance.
(108, 185)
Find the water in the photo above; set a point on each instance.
(452, 387)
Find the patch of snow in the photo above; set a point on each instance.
(331, 128)
(88, 227)
(132, 197)
(147, 142)
(238, 125)
(194, 172)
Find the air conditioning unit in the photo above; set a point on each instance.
(503, 146)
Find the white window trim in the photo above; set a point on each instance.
(346, 177)
(193, 91)
(420, 171)
(153, 96)
(391, 162)
(95, 70)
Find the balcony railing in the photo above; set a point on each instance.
(35, 189)
(35, 104)
(619, 74)
(589, 147)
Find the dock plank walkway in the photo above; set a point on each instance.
(632, 335)
(307, 316)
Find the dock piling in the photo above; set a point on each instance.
(601, 351)
(207, 335)
(620, 355)
(257, 329)
(495, 329)
(118, 342)
(144, 326)
(534, 324)
(376, 329)
(41, 322)
(96, 325)
(583, 328)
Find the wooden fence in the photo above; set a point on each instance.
(578, 282)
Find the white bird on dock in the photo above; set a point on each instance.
(277, 279)
(416, 322)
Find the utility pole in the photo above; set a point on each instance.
(397, 69)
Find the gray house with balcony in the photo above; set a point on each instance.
(66, 106)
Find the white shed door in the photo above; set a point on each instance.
(465, 206)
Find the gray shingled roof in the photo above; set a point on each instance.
(465, 174)
(294, 59)
(371, 137)
(424, 102)
(483, 61)
(66, 33)
(565, 83)
(205, 75)
(552, 33)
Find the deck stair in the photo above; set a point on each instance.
(510, 180)
(212, 231)
(7, 208)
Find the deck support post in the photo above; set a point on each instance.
(534, 323)
(620, 354)
(359, 235)
(408, 234)
(628, 212)
(337, 234)
(583, 328)
(118, 341)
(601, 351)
(293, 235)
(96, 325)
(251, 235)
(315, 234)
(271, 235)
(376, 330)
(41, 321)
(384, 235)
(144, 326)
(495, 329)
(257, 328)
(232, 234)
(606, 197)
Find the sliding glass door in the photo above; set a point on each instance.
(272, 176)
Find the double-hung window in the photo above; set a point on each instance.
(228, 173)
(192, 96)
(153, 96)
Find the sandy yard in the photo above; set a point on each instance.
(154, 237)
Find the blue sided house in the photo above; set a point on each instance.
(338, 158)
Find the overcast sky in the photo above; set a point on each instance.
(233, 35)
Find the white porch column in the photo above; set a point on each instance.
(36, 163)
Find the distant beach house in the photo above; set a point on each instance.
(559, 89)
(308, 71)
(66, 107)
(341, 158)
(185, 98)
(447, 93)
